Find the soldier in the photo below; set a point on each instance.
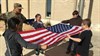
(15, 13)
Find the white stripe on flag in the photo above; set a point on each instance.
(32, 33)
(36, 37)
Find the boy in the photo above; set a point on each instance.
(38, 23)
(76, 20)
(84, 39)
(14, 41)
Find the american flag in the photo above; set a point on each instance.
(50, 35)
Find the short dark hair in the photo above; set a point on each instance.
(37, 15)
(12, 22)
(87, 22)
(75, 12)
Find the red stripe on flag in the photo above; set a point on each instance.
(30, 31)
(26, 37)
(40, 38)
(47, 39)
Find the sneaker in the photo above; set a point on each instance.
(37, 52)
(42, 52)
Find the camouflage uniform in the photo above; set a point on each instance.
(8, 15)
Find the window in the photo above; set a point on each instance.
(48, 8)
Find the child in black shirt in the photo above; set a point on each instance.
(84, 39)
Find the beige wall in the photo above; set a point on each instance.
(95, 17)
(60, 9)
(96, 12)
(3, 6)
(37, 6)
(86, 7)
(11, 3)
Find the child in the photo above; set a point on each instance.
(76, 20)
(38, 23)
(14, 41)
(84, 39)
